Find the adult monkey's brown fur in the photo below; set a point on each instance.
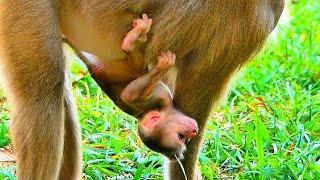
(212, 40)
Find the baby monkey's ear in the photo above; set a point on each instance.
(151, 118)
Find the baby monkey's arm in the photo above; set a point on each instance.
(144, 87)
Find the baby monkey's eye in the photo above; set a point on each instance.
(181, 136)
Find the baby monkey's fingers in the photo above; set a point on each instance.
(142, 25)
(172, 57)
(145, 17)
(166, 60)
(147, 21)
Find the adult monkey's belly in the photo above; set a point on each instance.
(105, 41)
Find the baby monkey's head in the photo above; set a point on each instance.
(167, 132)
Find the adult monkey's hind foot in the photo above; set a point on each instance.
(138, 34)
(42, 113)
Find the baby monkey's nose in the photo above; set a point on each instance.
(191, 132)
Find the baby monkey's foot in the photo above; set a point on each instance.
(166, 60)
(138, 34)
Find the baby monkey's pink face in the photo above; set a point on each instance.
(167, 132)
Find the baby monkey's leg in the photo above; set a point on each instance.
(138, 34)
(97, 71)
(142, 87)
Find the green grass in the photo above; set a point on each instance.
(269, 128)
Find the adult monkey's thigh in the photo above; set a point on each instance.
(71, 164)
(205, 72)
(33, 66)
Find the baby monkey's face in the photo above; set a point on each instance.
(167, 132)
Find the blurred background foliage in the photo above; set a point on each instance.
(268, 128)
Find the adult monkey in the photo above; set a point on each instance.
(212, 40)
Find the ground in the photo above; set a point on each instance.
(269, 127)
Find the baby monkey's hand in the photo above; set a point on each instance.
(166, 60)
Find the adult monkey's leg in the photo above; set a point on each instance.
(195, 95)
(202, 81)
(34, 73)
(71, 166)
(197, 91)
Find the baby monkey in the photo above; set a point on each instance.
(161, 127)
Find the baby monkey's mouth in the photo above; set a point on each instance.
(176, 154)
